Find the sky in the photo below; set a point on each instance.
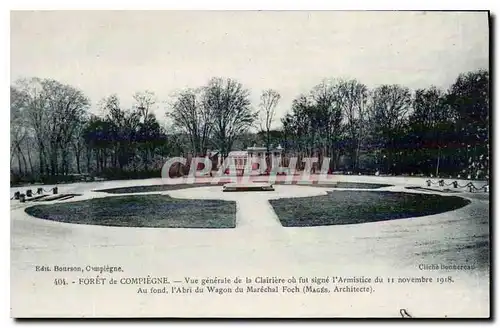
(122, 52)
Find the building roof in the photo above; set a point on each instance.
(257, 148)
(238, 153)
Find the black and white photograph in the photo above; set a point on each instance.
(250, 164)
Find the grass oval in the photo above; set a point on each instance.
(355, 207)
(152, 211)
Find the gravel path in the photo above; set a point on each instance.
(258, 248)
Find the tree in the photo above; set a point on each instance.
(31, 98)
(431, 132)
(145, 100)
(325, 116)
(191, 116)
(149, 129)
(18, 130)
(97, 134)
(430, 125)
(352, 98)
(296, 128)
(78, 142)
(314, 127)
(229, 105)
(388, 110)
(124, 126)
(150, 136)
(51, 111)
(67, 107)
(469, 99)
(268, 102)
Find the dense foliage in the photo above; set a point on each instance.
(390, 129)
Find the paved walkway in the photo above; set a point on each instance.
(253, 208)
(257, 247)
(256, 212)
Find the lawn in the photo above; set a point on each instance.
(153, 211)
(167, 187)
(353, 185)
(353, 207)
(153, 188)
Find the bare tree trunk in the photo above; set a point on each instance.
(356, 156)
(88, 154)
(268, 141)
(40, 158)
(29, 159)
(146, 158)
(19, 164)
(78, 165)
(53, 163)
(78, 153)
(438, 159)
(24, 162)
(97, 159)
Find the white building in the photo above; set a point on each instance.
(256, 156)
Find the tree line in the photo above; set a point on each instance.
(393, 130)
(390, 128)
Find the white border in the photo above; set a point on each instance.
(255, 5)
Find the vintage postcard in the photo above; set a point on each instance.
(250, 164)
